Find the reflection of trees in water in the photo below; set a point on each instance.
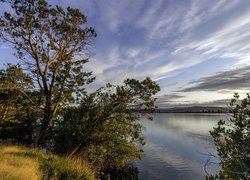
(129, 172)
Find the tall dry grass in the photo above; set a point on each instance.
(14, 167)
(19, 163)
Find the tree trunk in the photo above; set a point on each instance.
(29, 127)
(44, 124)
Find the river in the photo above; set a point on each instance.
(177, 146)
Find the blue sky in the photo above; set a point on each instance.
(197, 50)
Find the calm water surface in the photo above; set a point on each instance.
(177, 146)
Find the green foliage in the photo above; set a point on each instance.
(52, 43)
(14, 84)
(18, 105)
(105, 127)
(232, 140)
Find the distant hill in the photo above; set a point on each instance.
(193, 109)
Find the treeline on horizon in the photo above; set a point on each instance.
(44, 103)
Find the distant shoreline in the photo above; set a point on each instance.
(192, 109)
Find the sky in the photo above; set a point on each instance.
(198, 51)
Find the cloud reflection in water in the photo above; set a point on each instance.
(176, 144)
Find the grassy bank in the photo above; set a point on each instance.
(20, 163)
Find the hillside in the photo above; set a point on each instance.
(19, 163)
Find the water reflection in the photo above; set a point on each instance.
(176, 144)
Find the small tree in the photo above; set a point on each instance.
(50, 41)
(232, 140)
(105, 127)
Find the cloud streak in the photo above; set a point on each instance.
(228, 80)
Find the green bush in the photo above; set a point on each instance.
(232, 140)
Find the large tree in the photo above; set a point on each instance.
(52, 42)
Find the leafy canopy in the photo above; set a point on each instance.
(18, 105)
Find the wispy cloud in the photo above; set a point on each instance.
(169, 98)
(163, 39)
(231, 80)
(161, 103)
